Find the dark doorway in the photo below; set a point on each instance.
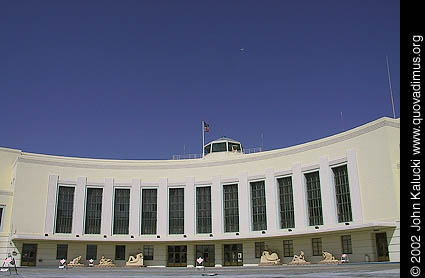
(29, 254)
(382, 247)
(233, 255)
(177, 255)
(207, 252)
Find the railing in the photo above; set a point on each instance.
(197, 156)
(187, 156)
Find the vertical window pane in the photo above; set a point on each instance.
(176, 211)
(148, 252)
(65, 208)
(120, 252)
(288, 248)
(206, 252)
(93, 210)
(342, 191)
(62, 251)
(259, 248)
(286, 203)
(203, 209)
(91, 252)
(231, 208)
(177, 255)
(317, 246)
(346, 244)
(258, 203)
(121, 211)
(149, 208)
(314, 199)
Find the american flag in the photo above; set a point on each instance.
(206, 127)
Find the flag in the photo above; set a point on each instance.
(206, 127)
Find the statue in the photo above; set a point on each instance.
(75, 262)
(269, 258)
(104, 262)
(299, 260)
(328, 258)
(135, 261)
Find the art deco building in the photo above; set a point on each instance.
(338, 194)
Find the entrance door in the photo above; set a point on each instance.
(233, 255)
(177, 255)
(382, 247)
(207, 253)
(29, 254)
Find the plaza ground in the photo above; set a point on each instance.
(311, 271)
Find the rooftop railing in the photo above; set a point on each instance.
(197, 156)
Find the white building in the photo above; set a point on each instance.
(339, 194)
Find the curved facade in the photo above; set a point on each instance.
(338, 194)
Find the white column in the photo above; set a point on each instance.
(353, 180)
(79, 203)
(216, 206)
(163, 208)
(107, 201)
(327, 192)
(49, 221)
(135, 208)
(189, 206)
(218, 254)
(271, 201)
(300, 211)
(243, 200)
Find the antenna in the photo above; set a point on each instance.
(391, 89)
(262, 142)
(342, 122)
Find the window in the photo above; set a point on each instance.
(207, 149)
(231, 208)
(259, 248)
(288, 248)
(148, 252)
(346, 245)
(176, 211)
(206, 252)
(121, 211)
(64, 210)
(314, 199)
(177, 255)
(93, 210)
(234, 147)
(62, 251)
(1, 216)
(149, 207)
(317, 246)
(219, 147)
(342, 191)
(203, 209)
(286, 203)
(258, 198)
(91, 252)
(119, 252)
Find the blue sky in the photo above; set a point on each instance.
(134, 79)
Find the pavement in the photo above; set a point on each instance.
(284, 271)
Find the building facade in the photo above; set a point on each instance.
(339, 194)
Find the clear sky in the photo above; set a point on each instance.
(134, 79)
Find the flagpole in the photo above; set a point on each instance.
(391, 89)
(203, 138)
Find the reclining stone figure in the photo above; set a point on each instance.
(75, 262)
(299, 260)
(328, 258)
(269, 258)
(135, 261)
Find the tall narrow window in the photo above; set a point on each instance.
(346, 244)
(203, 209)
(148, 252)
(286, 203)
(149, 208)
(342, 191)
(314, 199)
(231, 209)
(259, 248)
(317, 246)
(1, 216)
(288, 248)
(91, 252)
(62, 251)
(176, 211)
(121, 211)
(258, 198)
(93, 210)
(119, 252)
(65, 208)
